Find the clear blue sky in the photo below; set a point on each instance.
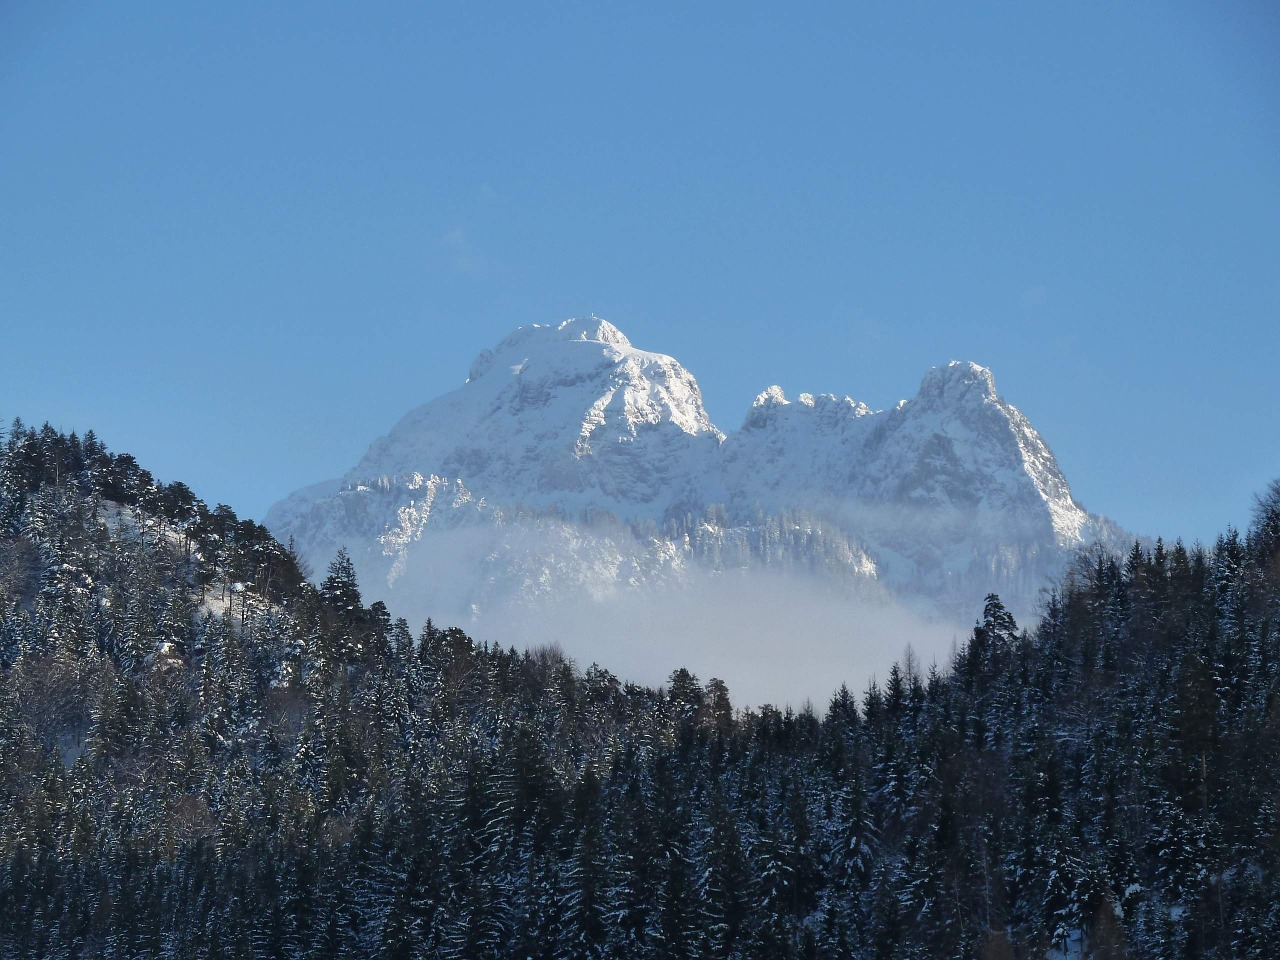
(240, 240)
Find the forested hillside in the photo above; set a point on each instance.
(203, 755)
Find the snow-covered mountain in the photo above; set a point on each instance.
(573, 467)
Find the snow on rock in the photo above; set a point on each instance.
(573, 464)
(570, 416)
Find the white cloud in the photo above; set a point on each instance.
(773, 638)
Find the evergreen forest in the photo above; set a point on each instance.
(205, 755)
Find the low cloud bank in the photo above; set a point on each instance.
(773, 638)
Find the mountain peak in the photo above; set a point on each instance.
(593, 328)
(526, 339)
(764, 406)
(773, 396)
(569, 416)
(957, 380)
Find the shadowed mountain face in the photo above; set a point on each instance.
(573, 468)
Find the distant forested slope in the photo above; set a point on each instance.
(203, 755)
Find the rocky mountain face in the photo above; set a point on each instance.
(573, 466)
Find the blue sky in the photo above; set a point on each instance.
(240, 240)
